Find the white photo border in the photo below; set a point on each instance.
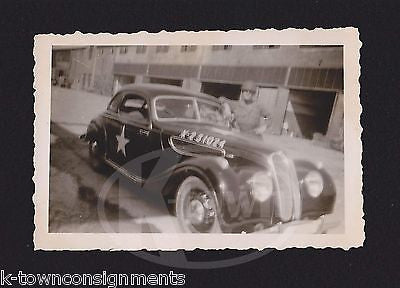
(353, 235)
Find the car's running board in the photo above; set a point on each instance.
(125, 172)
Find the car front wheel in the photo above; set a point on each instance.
(196, 207)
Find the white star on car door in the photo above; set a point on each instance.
(122, 141)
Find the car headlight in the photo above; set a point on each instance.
(261, 185)
(314, 183)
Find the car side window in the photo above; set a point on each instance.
(135, 108)
(114, 103)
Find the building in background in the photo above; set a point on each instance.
(91, 69)
(60, 65)
(301, 86)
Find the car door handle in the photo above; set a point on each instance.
(144, 132)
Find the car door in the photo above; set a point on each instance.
(131, 139)
(123, 119)
(131, 135)
(139, 135)
(113, 127)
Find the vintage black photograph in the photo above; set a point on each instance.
(197, 138)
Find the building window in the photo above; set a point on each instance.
(123, 50)
(188, 48)
(141, 49)
(221, 47)
(162, 49)
(321, 46)
(63, 56)
(266, 46)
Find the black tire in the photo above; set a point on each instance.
(196, 207)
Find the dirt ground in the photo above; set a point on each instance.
(75, 198)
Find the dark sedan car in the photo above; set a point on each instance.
(221, 180)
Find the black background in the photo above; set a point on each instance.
(377, 263)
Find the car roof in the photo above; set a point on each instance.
(153, 90)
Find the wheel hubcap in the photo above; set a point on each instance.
(196, 212)
(200, 213)
(196, 207)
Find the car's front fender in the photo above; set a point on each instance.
(324, 203)
(226, 181)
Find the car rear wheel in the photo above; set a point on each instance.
(96, 154)
(196, 207)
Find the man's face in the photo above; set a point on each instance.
(248, 95)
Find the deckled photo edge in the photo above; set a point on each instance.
(354, 222)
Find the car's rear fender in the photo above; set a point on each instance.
(95, 130)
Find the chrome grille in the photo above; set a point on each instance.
(287, 192)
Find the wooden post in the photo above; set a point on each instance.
(280, 109)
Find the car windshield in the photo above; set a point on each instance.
(181, 108)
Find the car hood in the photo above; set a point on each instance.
(238, 144)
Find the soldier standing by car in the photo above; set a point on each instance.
(246, 113)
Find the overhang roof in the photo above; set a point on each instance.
(68, 47)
